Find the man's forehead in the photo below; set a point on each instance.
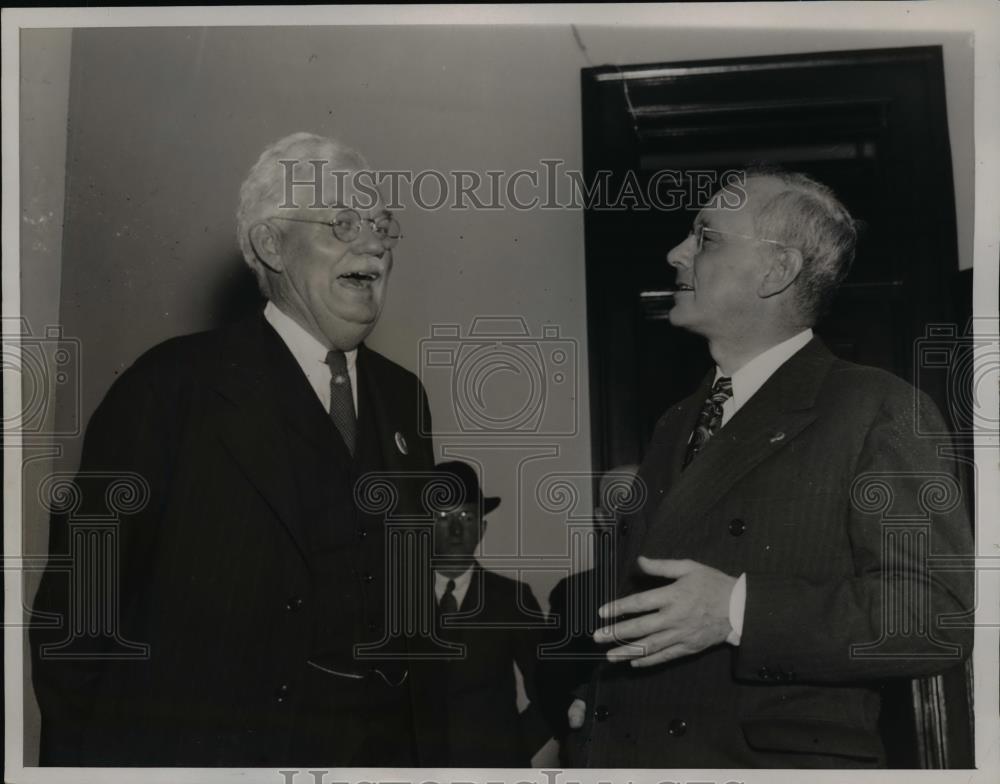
(326, 185)
(354, 188)
(753, 194)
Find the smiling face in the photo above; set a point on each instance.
(334, 289)
(718, 286)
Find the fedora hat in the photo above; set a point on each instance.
(467, 487)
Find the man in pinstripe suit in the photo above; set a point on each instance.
(759, 603)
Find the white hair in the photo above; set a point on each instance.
(265, 186)
(806, 214)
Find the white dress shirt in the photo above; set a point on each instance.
(746, 381)
(461, 586)
(311, 355)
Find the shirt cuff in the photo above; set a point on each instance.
(737, 608)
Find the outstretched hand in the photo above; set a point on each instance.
(679, 619)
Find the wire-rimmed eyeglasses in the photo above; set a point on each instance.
(698, 232)
(346, 226)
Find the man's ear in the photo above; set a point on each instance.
(784, 268)
(266, 245)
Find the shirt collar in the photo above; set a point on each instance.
(461, 582)
(752, 376)
(304, 347)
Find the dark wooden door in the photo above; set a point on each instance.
(871, 124)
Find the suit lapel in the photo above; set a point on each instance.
(659, 472)
(381, 417)
(401, 462)
(781, 409)
(274, 422)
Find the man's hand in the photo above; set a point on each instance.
(680, 619)
(576, 714)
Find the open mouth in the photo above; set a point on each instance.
(683, 287)
(359, 280)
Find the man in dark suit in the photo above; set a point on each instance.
(778, 568)
(486, 623)
(255, 568)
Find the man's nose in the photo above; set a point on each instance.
(682, 253)
(368, 242)
(455, 527)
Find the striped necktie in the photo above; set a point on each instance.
(710, 418)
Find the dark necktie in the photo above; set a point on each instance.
(448, 603)
(341, 398)
(710, 418)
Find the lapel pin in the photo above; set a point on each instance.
(779, 436)
(401, 444)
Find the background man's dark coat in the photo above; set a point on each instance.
(471, 702)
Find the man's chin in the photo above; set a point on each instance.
(676, 316)
(683, 319)
(347, 333)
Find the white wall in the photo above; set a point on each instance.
(45, 66)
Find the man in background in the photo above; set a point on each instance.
(251, 572)
(762, 598)
(486, 625)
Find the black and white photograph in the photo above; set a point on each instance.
(472, 393)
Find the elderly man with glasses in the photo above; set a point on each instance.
(778, 570)
(253, 573)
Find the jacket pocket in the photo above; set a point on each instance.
(811, 736)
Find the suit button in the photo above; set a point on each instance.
(601, 712)
(737, 527)
(369, 577)
(624, 529)
(281, 693)
(294, 603)
(677, 727)
(362, 533)
(764, 674)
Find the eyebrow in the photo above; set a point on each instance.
(380, 213)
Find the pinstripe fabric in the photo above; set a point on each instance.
(780, 493)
